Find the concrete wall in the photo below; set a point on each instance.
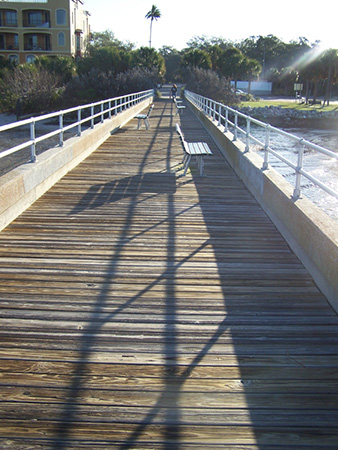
(25, 184)
(312, 235)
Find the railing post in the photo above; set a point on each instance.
(296, 192)
(115, 107)
(213, 111)
(236, 124)
(79, 128)
(266, 148)
(102, 109)
(109, 109)
(61, 129)
(33, 145)
(219, 114)
(247, 136)
(92, 116)
(226, 120)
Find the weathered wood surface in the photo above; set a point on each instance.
(142, 309)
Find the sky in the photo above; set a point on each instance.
(181, 20)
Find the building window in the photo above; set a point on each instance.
(2, 42)
(16, 41)
(61, 17)
(35, 18)
(14, 59)
(11, 18)
(61, 39)
(30, 58)
(33, 42)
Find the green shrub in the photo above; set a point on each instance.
(209, 84)
(96, 85)
(34, 90)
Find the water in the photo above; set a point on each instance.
(321, 166)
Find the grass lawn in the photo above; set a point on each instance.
(290, 104)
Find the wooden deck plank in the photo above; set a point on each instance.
(143, 309)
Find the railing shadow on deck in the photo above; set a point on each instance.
(97, 196)
(174, 374)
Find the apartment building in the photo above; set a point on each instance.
(43, 27)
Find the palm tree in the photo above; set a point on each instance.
(154, 13)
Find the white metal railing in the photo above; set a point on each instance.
(104, 109)
(222, 114)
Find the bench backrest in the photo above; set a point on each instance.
(180, 134)
(149, 112)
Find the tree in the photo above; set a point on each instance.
(205, 43)
(216, 53)
(149, 58)
(249, 70)
(197, 58)
(35, 88)
(209, 84)
(230, 63)
(269, 50)
(154, 13)
(61, 66)
(105, 59)
(329, 61)
(107, 38)
(172, 59)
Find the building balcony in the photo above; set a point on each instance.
(8, 18)
(9, 41)
(8, 47)
(36, 19)
(37, 42)
(36, 24)
(37, 48)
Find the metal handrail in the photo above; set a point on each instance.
(108, 107)
(220, 113)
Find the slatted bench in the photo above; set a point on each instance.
(145, 118)
(190, 149)
(179, 107)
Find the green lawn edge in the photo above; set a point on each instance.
(288, 104)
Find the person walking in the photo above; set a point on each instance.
(174, 92)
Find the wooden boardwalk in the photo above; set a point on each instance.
(145, 310)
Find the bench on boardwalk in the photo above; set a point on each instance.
(179, 107)
(145, 118)
(190, 149)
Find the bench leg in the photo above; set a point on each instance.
(184, 158)
(139, 123)
(187, 164)
(200, 162)
(146, 123)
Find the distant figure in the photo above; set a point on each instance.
(18, 108)
(173, 91)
